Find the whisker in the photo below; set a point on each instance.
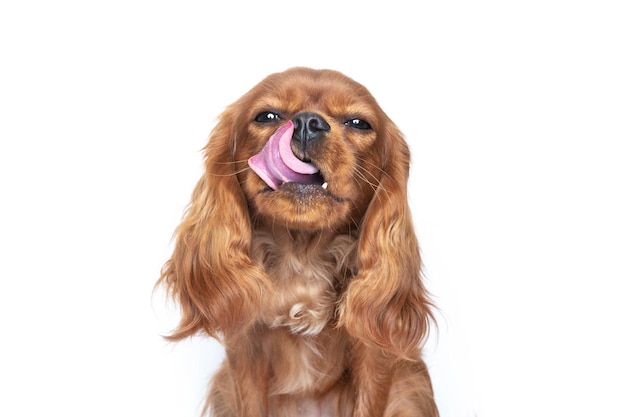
(241, 161)
(371, 164)
(361, 171)
(377, 186)
(360, 175)
(230, 174)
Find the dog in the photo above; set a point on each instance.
(298, 253)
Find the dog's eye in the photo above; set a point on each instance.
(267, 117)
(358, 124)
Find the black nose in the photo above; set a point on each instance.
(308, 127)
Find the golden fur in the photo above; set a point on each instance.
(316, 295)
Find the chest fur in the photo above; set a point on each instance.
(308, 275)
(303, 350)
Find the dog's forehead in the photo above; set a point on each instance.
(330, 95)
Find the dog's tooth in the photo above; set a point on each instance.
(325, 185)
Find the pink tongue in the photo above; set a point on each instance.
(276, 164)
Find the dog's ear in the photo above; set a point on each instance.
(386, 303)
(211, 274)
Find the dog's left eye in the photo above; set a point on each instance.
(358, 124)
(267, 117)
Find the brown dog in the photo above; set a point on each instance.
(298, 253)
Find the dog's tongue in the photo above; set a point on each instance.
(276, 164)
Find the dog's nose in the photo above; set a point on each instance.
(307, 127)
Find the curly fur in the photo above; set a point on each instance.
(316, 296)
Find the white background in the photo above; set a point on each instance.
(515, 112)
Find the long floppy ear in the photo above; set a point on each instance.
(386, 303)
(211, 274)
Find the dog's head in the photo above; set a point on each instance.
(337, 127)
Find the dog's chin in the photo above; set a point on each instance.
(308, 207)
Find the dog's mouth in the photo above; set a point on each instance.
(281, 170)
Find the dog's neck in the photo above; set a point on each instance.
(309, 272)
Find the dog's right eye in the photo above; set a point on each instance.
(267, 117)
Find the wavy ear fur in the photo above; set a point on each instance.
(211, 274)
(386, 303)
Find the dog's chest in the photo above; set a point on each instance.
(305, 296)
(307, 275)
(304, 349)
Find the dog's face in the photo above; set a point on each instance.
(338, 127)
